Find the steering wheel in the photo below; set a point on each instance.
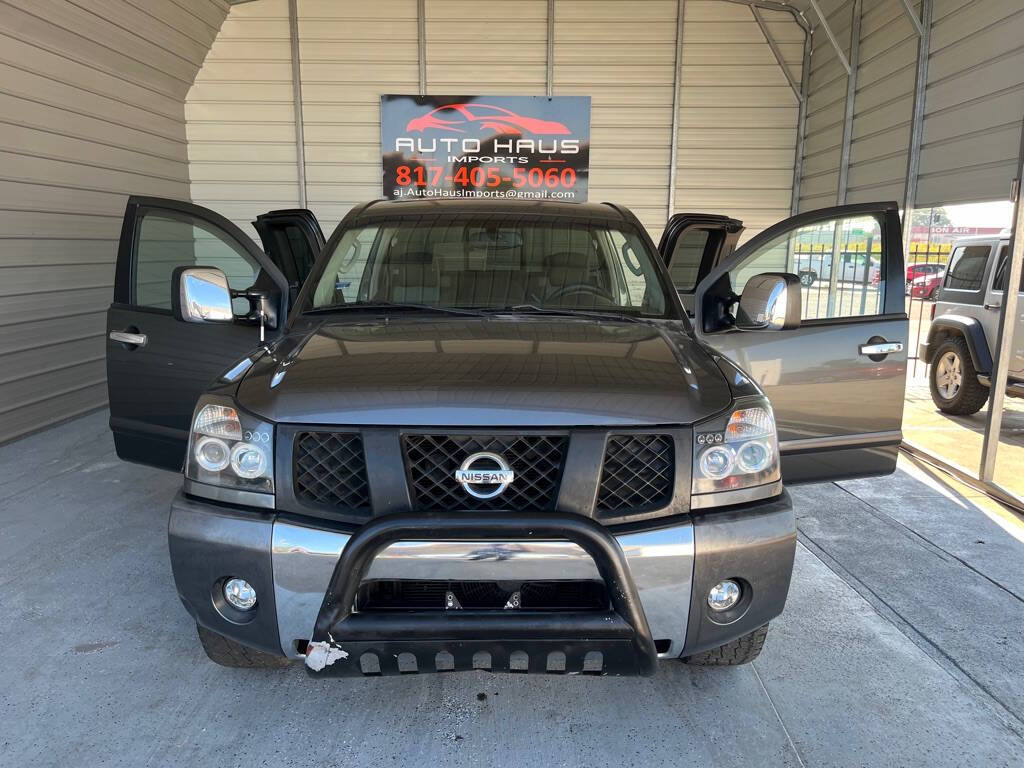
(585, 289)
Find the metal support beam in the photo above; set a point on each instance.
(781, 7)
(924, 43)
(1004, 338)
(909, 11)
(776, 52)
(801, 125)
(550, 76)
(300, 132)
(831, 35)
(421, 43)
(673, 152)
(851, 97)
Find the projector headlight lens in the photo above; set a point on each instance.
(230, 448)
(740, 451)
(212, 454)
(248, 461)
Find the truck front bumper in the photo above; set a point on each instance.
(294, 563)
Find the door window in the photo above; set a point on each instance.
(999, 280)
(686, 258)
(343, 277)
(839, 261)
(168, 240)
(967, 267)
(292, 252)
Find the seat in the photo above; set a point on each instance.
(412, 278)
(565, 269)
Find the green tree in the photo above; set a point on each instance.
(937, 217)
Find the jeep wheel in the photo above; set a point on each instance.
(228, 653)
(742, 650)
(954, 381)
(807, 278)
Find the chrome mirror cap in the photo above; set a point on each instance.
(202, 295)
(770, 302)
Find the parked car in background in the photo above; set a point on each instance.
(812, 267)
(921, 269)
(926, 286)
(965, 321)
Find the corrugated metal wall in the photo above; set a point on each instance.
(351, 53)
(973, 103)
(884, 105)
(241, 124)
(91, 110)
(826, 104)
(737, 117)
(738, 114)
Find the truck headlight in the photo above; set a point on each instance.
(230, 448)
(738, 451)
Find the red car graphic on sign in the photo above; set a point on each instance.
(456, 117)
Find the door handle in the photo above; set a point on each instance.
(127, 337)
(993, 305)
(881, 348)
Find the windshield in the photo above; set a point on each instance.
(492, 262)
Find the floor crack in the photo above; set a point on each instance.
(778, 716)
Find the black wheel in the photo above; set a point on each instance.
(954, 381)
(742, 650)
(807, 278)
(228, 653)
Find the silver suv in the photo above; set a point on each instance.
(965, 321)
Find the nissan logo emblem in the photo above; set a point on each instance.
(484, 469)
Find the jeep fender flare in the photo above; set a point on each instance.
(970, 329)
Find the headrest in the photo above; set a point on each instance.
(568, 260)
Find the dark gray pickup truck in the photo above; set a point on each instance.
(506, 435)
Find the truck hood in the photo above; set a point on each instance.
(494, 371)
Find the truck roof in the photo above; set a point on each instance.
(454, 206)
(1002, 237)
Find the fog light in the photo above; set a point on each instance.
(240, 594)
(724, 595)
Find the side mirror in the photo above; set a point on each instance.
(770, 302)
(201, 295)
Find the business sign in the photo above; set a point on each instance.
(485, 146)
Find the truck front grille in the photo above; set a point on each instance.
(638, 473)
(330, 470)
(536, 460)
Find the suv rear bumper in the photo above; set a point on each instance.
(292, 563)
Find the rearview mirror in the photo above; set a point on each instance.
(770, 302)
(201, 295)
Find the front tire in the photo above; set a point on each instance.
(742, 650)
(953, 379)
(226, 652)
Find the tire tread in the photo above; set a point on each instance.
(742, 650)
(228, 653)
(972, 395)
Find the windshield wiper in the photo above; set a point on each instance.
(533, 309)
(389, 305)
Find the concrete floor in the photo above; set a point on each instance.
(959, 439)
(901, 645)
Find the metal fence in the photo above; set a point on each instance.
(920, 301)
